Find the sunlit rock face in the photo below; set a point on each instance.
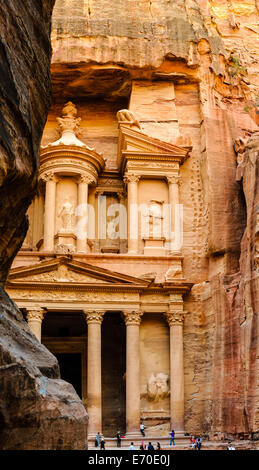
(207, 51)
(37, 409)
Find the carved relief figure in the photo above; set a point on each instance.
(67, 215)
(157, 387)
(153, 219)
(127, 116)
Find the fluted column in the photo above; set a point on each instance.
(173, 190)
(50, 210)
(34, 317)
(132, 320)
(132, 182)
(94, 372)
(82, 213)
(175, 320)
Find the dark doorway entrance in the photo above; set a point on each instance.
(70, 370)
(113, 374)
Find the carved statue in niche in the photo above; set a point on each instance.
(157, 387)
(128, 117)
(67, 216)
(153, 218)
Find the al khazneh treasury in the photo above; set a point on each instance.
(131, 264)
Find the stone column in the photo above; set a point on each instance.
(123, 221)
(175, 320)
(173, 189)
(132, 320)
(82, 213)
(50, 211)
(94, 372)
(132, 182)
(34, 318)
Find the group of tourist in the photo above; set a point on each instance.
(195, 443)
(143, 446)
(99, 441)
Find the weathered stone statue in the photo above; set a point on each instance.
(157, 387)
(67, 215)
(128, 117)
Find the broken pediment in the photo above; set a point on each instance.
(65, 270)
(134, 144)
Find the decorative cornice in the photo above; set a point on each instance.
(175, 318)
(35, 314)
(94, 316)
(133, 317)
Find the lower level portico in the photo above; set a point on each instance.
(119, 341)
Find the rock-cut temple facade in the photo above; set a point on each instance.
(139, 270)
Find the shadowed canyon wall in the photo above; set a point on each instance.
(208, 51)
(37, 409)
(195, 63)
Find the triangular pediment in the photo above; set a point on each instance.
(132, 141)
(67, 271)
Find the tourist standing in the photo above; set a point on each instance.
(97, 439)
(142, 429)
(172, 437)
(102, 443)
(131, 446)
(158, 447)
(198, 443)
(150, 447)
(118, 437)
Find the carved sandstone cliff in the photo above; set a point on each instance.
(208, 49)
(37, 409)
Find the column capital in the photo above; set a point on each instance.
(174, 179)
(94, 316)
(85, 179)
(175, 317)
(132, 317)
(49, 176)
(35, 313)
(131, 178)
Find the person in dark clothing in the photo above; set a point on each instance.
(198, 443)
(118, 437)
(102, 444)
(158, 447)
(150, 447)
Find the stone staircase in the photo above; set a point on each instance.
(111, 442)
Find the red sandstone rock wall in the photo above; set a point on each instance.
(209, 47)
(38, 410)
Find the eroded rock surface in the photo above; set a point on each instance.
(37, 409)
